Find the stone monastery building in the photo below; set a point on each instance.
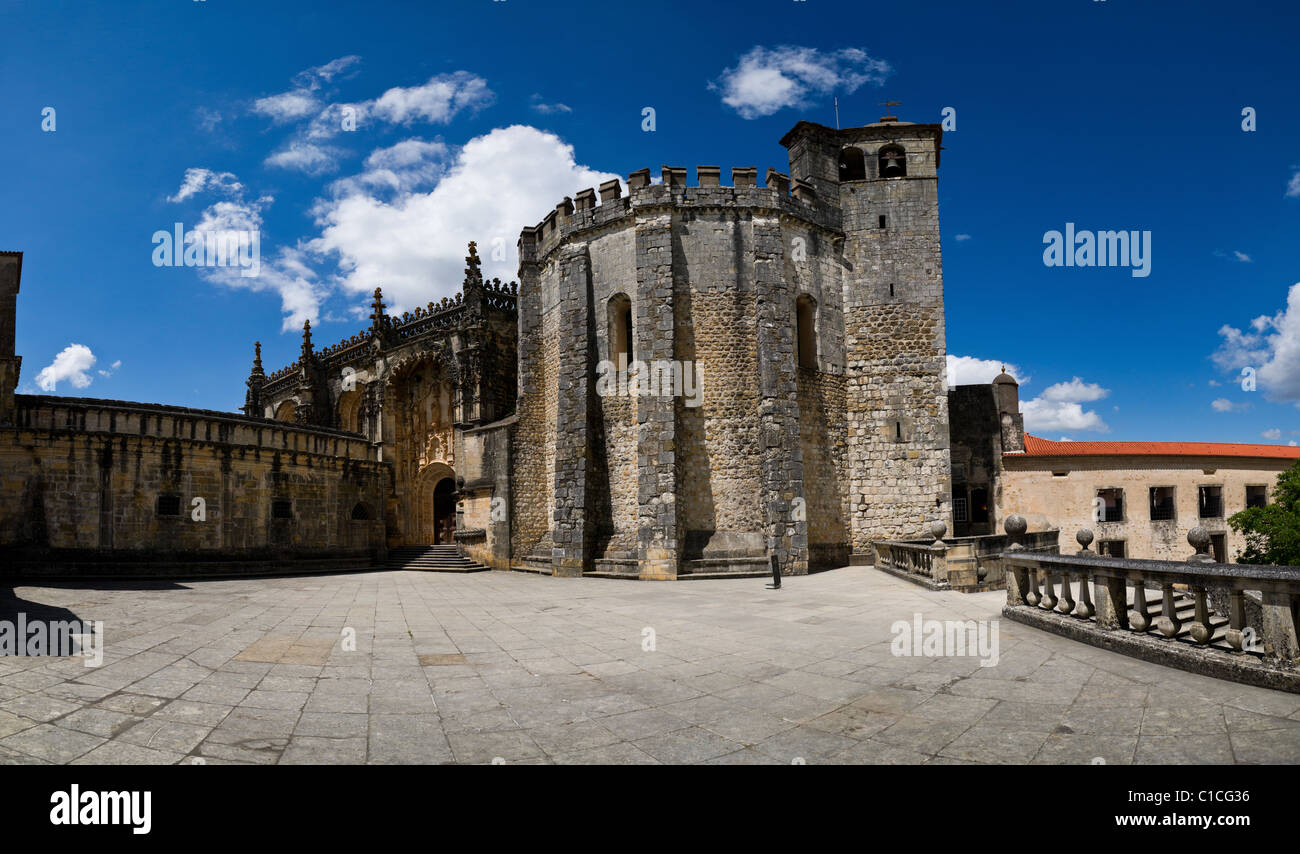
(685, 380)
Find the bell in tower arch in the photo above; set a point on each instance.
(893, 162)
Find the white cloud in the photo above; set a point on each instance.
(1241, 256)
(539, 105)
(1271, 348)
(302, 101)
(1059, 407)
(1293, 187)
(406, 166)
(414, 245)
(770, 79)
(286, 272)
(1076, 390)
(287, 106)
(1274, 433)
(198, 180)
(962, 238)
(72, 364)
(1050, 415)
(305, 157)
(1222, 404)
(208, 118)
(437, 101)
(112, 369)
(968, 370)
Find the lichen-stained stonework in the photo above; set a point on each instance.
(808, 462)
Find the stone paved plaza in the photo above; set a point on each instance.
(528, 669)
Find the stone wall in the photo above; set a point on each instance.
(87, 476)
(1058, 493)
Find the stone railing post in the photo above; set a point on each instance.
(1279, 625)
(938, 552)
(1018, 577)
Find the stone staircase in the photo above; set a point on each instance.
(1185, 608)
(432, 559)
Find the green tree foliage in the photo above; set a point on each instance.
(1273, 532)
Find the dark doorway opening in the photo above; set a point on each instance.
(444, 512)
(1219, 547)
(979, 506)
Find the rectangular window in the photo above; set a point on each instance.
(1256, 496)
(1111, 548)
(882, 220)
(169, 505)
(1111, 507)
(1162, 503)
(1211, 502)
(1219, 546)
(959, 510)
(281, 508)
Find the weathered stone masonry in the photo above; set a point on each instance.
(809, 462)
(799, 326)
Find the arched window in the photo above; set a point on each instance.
(286, 411)
(620, 331)
(893, 162)
(360, 513)
(853, 166)
(806, 332)
(349, 407)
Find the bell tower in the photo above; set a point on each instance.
(885, 178)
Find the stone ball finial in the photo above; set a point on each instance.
(1084, 538)
(1015, 526)
(938, 528)
(1199, 539)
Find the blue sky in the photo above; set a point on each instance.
(474, 118)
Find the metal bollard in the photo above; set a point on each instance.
(776, 572)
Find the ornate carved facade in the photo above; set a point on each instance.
(410, 385)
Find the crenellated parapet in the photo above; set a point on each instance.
(588, 212)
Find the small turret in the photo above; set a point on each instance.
(1006, 394)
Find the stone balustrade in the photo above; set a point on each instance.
(965, 564)
(1233, 621)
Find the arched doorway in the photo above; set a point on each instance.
(432, 508)
(444, 512)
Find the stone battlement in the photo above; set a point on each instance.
(588, 210)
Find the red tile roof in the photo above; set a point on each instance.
(1036, 447)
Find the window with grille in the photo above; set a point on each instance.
(1211, 502)
(1111, 548)
(1256, 496)
(959, 510)
(169, 505)
(1111, 506)
(1162, 503)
